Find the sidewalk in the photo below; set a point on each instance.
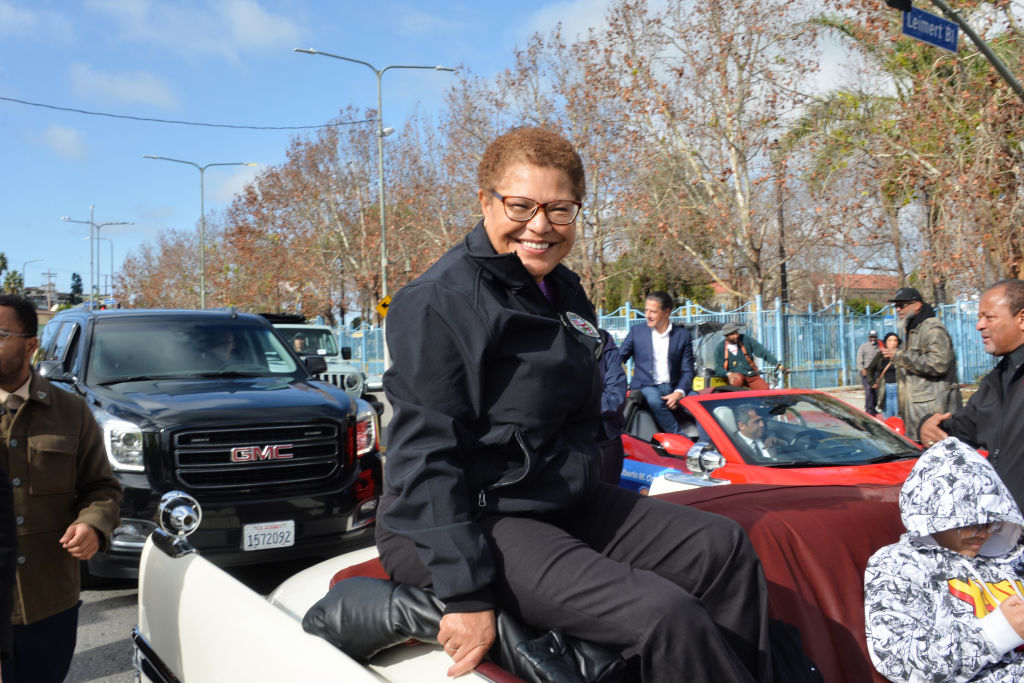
(855, 395)
(850, 394)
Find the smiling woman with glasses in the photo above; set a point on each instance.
(522, 209)
(492, 489)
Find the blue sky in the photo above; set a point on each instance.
(225, 62)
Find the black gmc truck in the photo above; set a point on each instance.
(216, 404)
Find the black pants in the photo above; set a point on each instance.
(870, 397)
(679, 588)
(43, 650)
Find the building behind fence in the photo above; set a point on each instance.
(818, 347)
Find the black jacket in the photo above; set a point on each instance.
(496, 401)
(996, 423)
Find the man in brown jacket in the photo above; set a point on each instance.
(66, 500)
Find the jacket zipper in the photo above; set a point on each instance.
(481, 500)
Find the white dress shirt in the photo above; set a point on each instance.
(659, 343)
(756, 445)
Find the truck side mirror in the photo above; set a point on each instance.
(346, 352)
(54, 371)
(315, 364)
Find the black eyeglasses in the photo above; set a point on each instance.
(522, 209)
(900, 305)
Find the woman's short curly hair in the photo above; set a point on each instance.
(533, 145)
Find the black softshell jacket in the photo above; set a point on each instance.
(995, 422)
(496, 401)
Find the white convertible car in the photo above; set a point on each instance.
(197, 623)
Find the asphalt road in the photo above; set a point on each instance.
(108, 615)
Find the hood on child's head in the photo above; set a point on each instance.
(952, 486)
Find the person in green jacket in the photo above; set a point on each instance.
(734, 358)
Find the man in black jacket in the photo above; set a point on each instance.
(993, 418)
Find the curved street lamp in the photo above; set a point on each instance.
(93, 226)
(202, 213)
(381, 133)
(24, 280)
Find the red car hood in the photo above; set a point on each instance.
(882, 473)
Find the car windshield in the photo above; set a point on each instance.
(802, 430)
(169, 348)
(311, 342)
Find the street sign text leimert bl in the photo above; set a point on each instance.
(930, 28)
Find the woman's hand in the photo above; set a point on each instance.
(466, 637)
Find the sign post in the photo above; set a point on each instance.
(931, 29)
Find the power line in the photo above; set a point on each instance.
(180, 123)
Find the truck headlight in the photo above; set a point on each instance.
(366, 432)
(123, 441)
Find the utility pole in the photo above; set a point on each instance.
(49, 288)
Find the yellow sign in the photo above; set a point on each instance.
(382, 307)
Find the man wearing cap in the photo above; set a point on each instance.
(663, 360)
(926, 376)
(66, 499)
(865, 354)
(993, 418)
(734, 358)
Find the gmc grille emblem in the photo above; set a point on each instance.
(254, 453)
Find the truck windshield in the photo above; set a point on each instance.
(150, 348)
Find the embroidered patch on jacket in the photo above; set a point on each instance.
(583, 325)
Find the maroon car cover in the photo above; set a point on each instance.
(814, 543)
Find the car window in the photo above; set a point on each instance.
(148, 348)
(806, 430)
(320, 342)
(64, 345)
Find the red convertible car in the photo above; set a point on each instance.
(814, 438)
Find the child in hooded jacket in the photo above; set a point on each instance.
(945, 602)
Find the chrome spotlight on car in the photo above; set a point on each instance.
(703, 459)
(178, 515)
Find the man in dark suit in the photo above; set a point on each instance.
(663, 360)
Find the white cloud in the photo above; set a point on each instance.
(67, 142)
(252, 26)
(228, 29)
(15, 21)
(19, 22)
(137, 87)
(228, 185)
(576, 17)
(413, 21)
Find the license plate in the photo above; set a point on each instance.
(268, 535)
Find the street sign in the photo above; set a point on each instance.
(382, 307)
(931, 29)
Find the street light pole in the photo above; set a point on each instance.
(202, 214)
(107, 239)
(381, 133)
(24, 279)
(95, 227)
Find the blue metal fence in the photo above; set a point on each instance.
(818, 347)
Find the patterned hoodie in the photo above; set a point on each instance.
(931, 613)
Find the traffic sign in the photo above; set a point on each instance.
(382, 307)
(931, 29)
